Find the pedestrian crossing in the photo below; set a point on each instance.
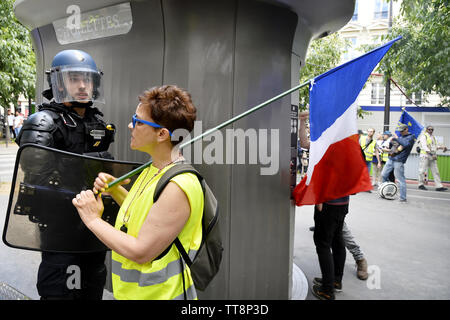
(7, 162)
(7, 167)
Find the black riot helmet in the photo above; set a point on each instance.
(74, 77)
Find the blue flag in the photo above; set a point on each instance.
(414, 127)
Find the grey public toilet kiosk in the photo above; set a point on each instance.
(230, 55)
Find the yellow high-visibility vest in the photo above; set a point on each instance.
(430, 140)
(159, 279)
(384, 156)
(369, 151)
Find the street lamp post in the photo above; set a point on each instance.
(387, 97)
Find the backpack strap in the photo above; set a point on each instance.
(172, 172)
(367, 144)
(182, 251)
(162, 183)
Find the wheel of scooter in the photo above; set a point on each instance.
(388, 190)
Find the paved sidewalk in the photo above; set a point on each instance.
(406, 246)
(7, 161)
(11, 148)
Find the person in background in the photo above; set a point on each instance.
(18, 123)
(428, 159)
(328, 224)
(357, 253)
(396, 161)
(368, 144)
(11, 124)
(387, 149)
(377, 163)
(355, 250)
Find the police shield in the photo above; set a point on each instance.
(40, 213)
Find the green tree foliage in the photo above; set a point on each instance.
(420, 61)
(323, 54)
(17, 59)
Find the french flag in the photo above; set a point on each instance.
(336, 165)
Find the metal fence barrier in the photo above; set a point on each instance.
(412, 167)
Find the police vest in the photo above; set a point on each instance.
(430, 141)
(59, 127)
(369, 150)
(160, 279)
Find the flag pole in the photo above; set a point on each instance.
(208, 132)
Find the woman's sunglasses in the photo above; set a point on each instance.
(135, 119)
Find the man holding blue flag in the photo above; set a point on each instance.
(398, 157)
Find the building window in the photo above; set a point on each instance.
(416, 97)
(381, 9)
(377, 95)
(355, 13)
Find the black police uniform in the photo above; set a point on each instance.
(60, 127)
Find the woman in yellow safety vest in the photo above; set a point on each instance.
(145, 266)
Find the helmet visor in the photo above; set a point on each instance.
(74, 83)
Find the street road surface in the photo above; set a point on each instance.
(406, 245)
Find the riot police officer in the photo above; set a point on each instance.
(69, 122)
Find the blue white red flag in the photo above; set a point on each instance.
(336, 165)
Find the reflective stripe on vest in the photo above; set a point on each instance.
(370, 148)
(149, 279)
(162, 278)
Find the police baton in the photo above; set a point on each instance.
(208, 132)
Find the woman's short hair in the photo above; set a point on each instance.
(171, 107)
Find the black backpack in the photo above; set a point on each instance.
(206, 263)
